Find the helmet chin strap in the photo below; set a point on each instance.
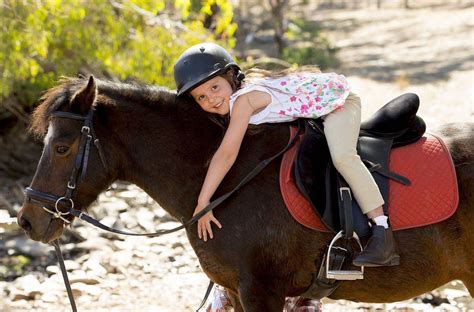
(240, 76)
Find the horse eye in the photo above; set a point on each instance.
(61, 149)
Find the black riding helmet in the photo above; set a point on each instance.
(200, 63)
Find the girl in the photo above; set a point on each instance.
(210, 76)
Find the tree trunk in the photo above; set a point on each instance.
(277, 8)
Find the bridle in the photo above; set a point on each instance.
(52, 203)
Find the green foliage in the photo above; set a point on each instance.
(136, 39)
(311, 47)
(13, 266)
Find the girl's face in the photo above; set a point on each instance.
(213, 95)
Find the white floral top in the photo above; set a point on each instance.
(297, 95)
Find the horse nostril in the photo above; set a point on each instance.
(25, 224)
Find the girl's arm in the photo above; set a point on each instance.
(226, 155)
(227, 152)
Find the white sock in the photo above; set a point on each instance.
(381, 220)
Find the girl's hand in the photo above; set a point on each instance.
(204, 223)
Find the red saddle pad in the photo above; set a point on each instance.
(432, 196)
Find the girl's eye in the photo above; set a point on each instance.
(214, 87)
(61, 149)
(201, 97)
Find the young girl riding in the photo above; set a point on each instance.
(208, 73)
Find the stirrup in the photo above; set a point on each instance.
(345, 275)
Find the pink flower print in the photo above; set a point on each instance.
(318, 107)
(283, 83)
(310, 103)
(331, 84)
(317, 99)
(293, 98)
(299, 90)
(289, 109)
(340, 86)
(308, 97)
(304, 109)
(282, 112)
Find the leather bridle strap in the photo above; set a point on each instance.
(51, 203)
(64, 274)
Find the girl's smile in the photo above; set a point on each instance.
(213, 95)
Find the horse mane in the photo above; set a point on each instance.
(108, 92)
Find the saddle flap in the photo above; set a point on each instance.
(316, 177)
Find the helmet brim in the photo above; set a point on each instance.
(198, 81)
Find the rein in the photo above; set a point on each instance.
(52, 203)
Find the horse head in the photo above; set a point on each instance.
(71, 153)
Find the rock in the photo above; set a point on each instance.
(96, 243)
(26, 246)
(49, 297)
(81, 288)
(71, 265)
(128, 219)
(17, 294)
(85, 279)
(28, 283)
(145, 219)
(7, 223)
(94, 266)
(53, 269)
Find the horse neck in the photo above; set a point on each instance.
(163, 150)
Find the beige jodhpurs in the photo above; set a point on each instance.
(341, 128)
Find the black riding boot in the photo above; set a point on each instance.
(380, 250)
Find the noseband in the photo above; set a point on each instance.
(52, 203)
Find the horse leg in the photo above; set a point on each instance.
(469, 283)
(234, 300)
(256, 297)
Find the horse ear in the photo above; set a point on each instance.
(83, 99)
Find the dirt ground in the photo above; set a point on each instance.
(428, 51)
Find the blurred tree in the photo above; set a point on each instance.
(135, 39)
(278, 9)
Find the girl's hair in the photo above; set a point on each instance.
(256, 72)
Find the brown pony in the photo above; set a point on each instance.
(163, 144)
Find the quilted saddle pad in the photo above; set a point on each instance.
(432, 196)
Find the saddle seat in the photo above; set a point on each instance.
(396, 120)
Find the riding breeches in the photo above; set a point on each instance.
(341, 128)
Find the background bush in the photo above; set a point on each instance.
(135, 39)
